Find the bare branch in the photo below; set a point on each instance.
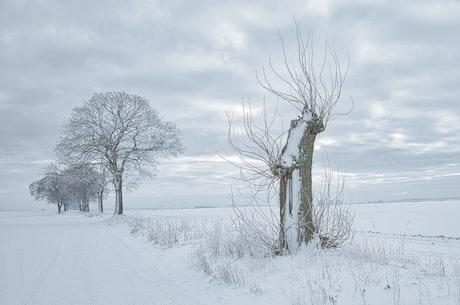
(257, 149)
(312, 86)
(120, 132)
(305, 87)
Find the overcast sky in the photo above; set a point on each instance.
(195, 60)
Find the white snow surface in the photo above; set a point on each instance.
(291, 154)
(291, 221)
(50, 259)
(403, 253)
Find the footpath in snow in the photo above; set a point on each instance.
(49, 259)
(407, 253)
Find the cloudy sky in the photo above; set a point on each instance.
(195, 60)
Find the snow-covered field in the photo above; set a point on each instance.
(402, 253)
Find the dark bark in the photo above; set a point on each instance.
(307, 145)
(306, 226)
(119, 194)
(101, 201)
(304, 164)
(285, 176)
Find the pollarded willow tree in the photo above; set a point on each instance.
(312, 87)
(120, 132)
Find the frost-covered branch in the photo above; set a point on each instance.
(308, 84)
(313, 87)
(258, 150)
(120, 132)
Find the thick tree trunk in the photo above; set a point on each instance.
(306, 226)
(59, 206)
(290, 189)
(118, 195)
(289, 208)
(296, 194)
(100, 202)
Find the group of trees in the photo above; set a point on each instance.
(115, 134)
(70, 187)
(112, 136)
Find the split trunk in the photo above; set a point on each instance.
(296, 195)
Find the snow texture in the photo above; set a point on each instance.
(291, 154)
(292, 209)
(290, 157)
(403, 253)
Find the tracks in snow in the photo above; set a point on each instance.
(70, 259)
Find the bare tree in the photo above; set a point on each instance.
(83, 184)
(312, 87)
(64, 186)
(123, 133)
(52, 187)
(332, 218)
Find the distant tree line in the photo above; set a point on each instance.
(70, 187)
(112, 136)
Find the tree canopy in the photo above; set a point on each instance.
(63, 186)
(120, 132)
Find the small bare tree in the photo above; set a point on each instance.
(63, 186)
(313, 88)
(123, 133)
(53, 187)
(332, 218)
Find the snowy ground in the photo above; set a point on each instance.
(403, 253)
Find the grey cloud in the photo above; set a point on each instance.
(195, 60)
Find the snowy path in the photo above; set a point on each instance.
(49, 259)
(72, 259)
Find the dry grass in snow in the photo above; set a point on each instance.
(376, 268)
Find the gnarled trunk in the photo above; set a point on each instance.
(296, 194)
(306, 226)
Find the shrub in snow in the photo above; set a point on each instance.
(259, 227)
(333, 224)
(167, 232)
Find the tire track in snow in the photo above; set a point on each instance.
(88, 251)
(72, 259)
(43, 276)
(151, 279)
